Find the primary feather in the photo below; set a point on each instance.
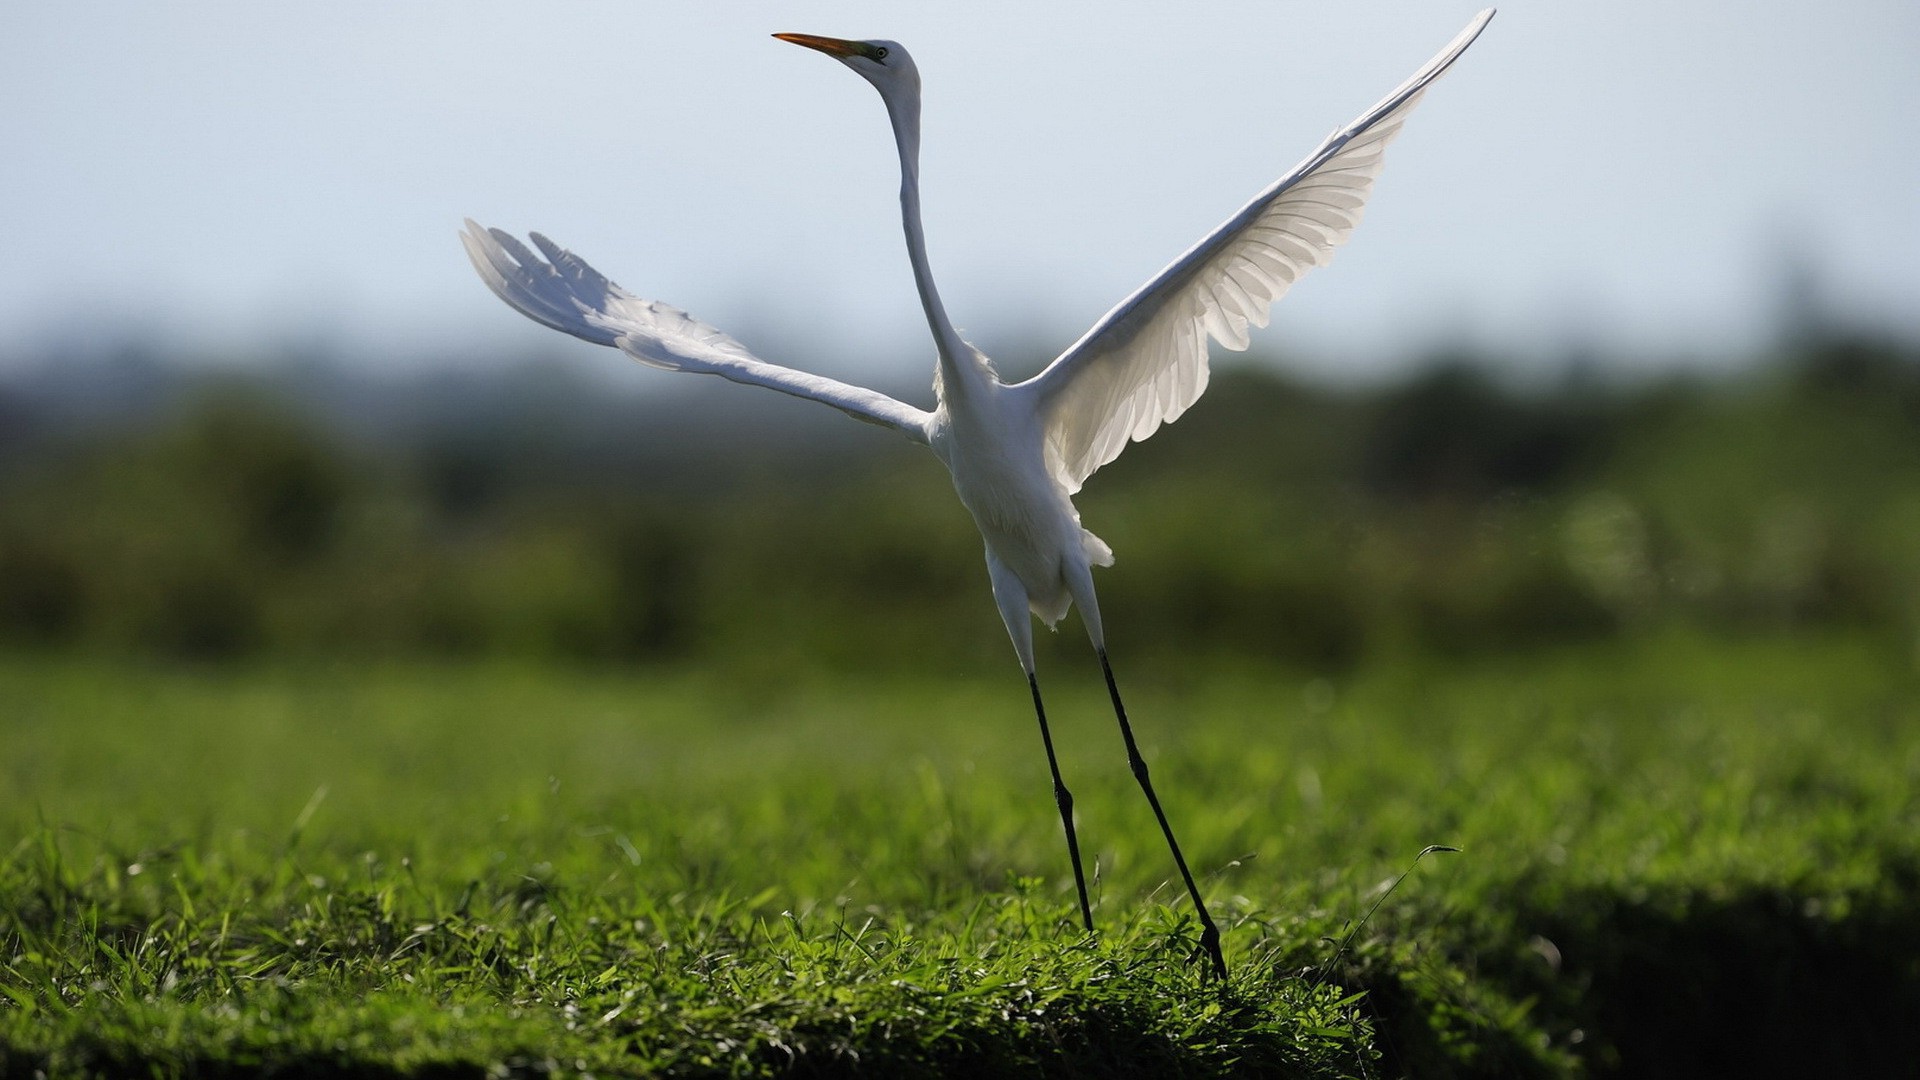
(1145, 361)
(564, 292)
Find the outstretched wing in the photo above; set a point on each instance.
(1145, 361)
(563, 292)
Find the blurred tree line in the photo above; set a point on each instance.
(1448, 513)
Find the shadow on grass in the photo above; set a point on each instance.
(98, 1059)
(1758, 982)
(1750, 980)
(1086, 1046)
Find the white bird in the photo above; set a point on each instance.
(1018, 452)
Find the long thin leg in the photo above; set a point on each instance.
(1209, 933)
(1064, 800)
(1011, 598)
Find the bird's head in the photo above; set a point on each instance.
(885, 64)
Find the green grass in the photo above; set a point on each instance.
(1678, 858)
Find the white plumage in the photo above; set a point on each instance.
(1145, 361)
(1017, 453)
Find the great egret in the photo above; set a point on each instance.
(1019, 452)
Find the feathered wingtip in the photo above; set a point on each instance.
(560, 291)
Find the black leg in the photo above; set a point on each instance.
(1063, 799)
(1209, 933)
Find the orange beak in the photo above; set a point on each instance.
(834, 47)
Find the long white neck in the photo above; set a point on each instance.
(960, 366)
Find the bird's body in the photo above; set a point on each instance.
(992, 442)
(1018, 452)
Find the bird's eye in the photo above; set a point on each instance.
(880, 52)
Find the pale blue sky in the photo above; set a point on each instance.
(1628, 176)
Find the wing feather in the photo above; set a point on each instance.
(1145, 361)
(563, 292)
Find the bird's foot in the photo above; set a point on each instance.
(1210, 948)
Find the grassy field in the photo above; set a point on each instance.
(1678, 858)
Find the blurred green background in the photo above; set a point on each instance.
(153, 508)
(298, 661)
